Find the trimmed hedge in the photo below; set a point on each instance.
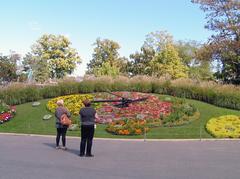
(220, 95)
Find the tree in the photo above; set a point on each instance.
(153, 44)
(198, 68)
(52, 57)
(224, 45)
(106, 57)
(8, 67)
(187, 51)
(158, 56)
(167, 62)
(158, 40)
(107, 70)
(139, 65)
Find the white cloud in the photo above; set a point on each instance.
(34, 26)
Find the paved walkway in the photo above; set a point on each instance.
(26, 157)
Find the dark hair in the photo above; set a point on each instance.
(87, 103)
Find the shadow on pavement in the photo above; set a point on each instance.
(73, 151)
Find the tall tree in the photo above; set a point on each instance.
(224, 45)
(106, 56)
(158, 56)
(198, 69)
(8, 67)
(167, 62)
(52, 57)
(139, 65)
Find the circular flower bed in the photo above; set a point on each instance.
(72, 102)
(6, 112)
(227, 126)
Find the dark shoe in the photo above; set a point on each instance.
(81, 155)
(89, 155)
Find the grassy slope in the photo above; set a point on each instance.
(29, 120)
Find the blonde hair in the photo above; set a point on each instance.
(60, 102)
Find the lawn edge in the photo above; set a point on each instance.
(116, 139)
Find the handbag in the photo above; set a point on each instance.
(64, 120)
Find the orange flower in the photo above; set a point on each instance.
(138, 131)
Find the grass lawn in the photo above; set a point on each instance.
(28, 120)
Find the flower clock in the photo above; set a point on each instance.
(150, 109)
(144, 111)
(6, 112)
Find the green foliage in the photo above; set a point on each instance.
(201, 71)
(223, 19)
(106, 59)
(102, 84)
(120, 83)
(86, 86)
(52, 57)
(168, 62)
(20, 94)
(8, 67)
(3, 107)
(159, 57)
(181, 114)
(107, 70)
(141, 84)
(68, 87)
(50, 91)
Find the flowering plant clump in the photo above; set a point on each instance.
(127, 127)
(72, 102)
(6, 112)
(227, 126)
(181, 113)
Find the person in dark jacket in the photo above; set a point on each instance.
(87, 118)
(61, 129)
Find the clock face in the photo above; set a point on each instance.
(121, 100)
(141, 106)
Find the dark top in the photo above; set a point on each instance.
(87, 116)
(58, 113)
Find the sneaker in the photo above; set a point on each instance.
(64, 148)
(89, 155)
(57, 147)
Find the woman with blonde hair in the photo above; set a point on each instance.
(61, 129)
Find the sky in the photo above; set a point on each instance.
(127, 22)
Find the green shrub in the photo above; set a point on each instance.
(50, 91)
(102, 84)
(120, 84)
(67, 88)
(141, 84)
(86, 87)
(20, 94)
(161, 87)
(182, 113)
